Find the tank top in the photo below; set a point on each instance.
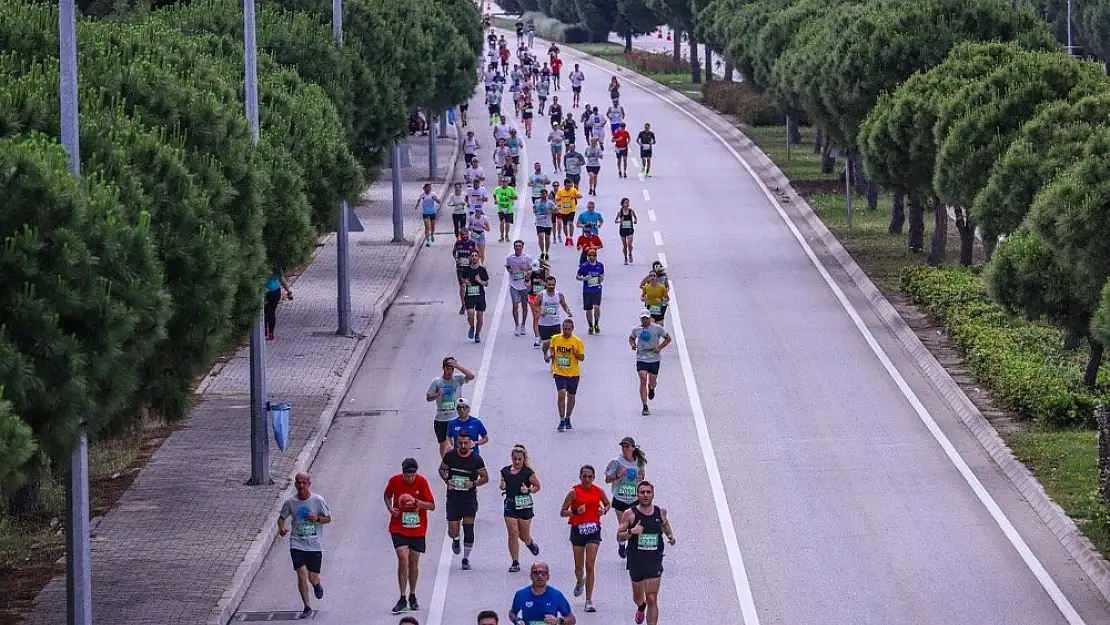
(428, 203)
(470, 146)
(514, 498)
(625, 219)
(549, 309)
(591, 498)
(615, 116)
(648, 546)
(538, 282)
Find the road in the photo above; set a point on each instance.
(812, 474)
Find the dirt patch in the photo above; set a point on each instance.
(806, 188)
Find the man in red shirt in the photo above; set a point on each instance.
(556, 65)
(621, 139)
(408, 498)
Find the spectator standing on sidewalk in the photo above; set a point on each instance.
(308, 513)
(273, 297)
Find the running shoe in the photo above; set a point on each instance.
(590, 331)
(589, 606)
(651, 392)
(470, 334)
(597, 329)
(562, 424)
(569, 426)
(645, 411)
(433, 238)
(456, 547)
(640, 613)
(477, 338)
(534, 548)
(537, 343)
(306, 613)
(465, 564)
(621, 550)
(413, 605)
(402, 606)
(579, 587)
(462, 310)
(515, 568)
(318, 590)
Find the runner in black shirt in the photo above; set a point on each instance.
(646, 139)
(475, 280)
(463, 471)
(518, 483)
(463, 248)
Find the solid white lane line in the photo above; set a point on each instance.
(651, 214)
(443, 566)
(1058, 598)
(647, 196)
(728, 531)
(658, 238)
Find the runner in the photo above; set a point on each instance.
(598, 124)
(515, 144)
(463, 471)
(616, 117)
(621, 140)
(502, 130)
(475, 279)
(471, 425)
(464, 106)
(643, 525)
(544, 208)
(550, 322)
(470, 148)
(538, 181)
(576, 78)
(593, 156)
(614, 90)
(428, 204)
(518, 483)
(518, 265)
(540, 602)
(408, 499)
(646, 141)
(504, 54)
(543, 89)
(591, 218)
(444, 391)
(648, 340)
(626, 221)
(567, 201)
(556, 68)
(308, 512)
(531, 32)
(478, 225)
(474, 172)
(464, 247)
(592, 274)
(587, 122)
(493, 103)
(458, 203)
(661, 274)
(504, 196)
(528, 111)
(573, 161)
(588, 241)
(519, 30)
(538, 281)
(569, 127)
(555, 111)
(655, 297)
(624, 473)
(583, 507)
(566, 351)
(555, 140)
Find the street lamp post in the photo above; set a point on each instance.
(342, 236)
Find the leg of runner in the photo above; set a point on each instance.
(570, 402)
(462, 300)
(402, 578)
(480, 316)
(562, 404)
(470, 312)
(639, 597)
(597, 318)
(468, 541)
(643, 390)
(651, 597)
(302, 587)
(579, 569)
(591, 559)
(512, 528)
(414, 576)
(453, 534)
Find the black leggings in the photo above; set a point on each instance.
(270, 315)
(459, 222)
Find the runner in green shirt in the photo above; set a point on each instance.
(504, 196)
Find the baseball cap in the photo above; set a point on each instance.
(628, 440)
(645, 313)
(462, 402)
(408, 465)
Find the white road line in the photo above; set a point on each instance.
(651, 214)
(647, 196)
(716, 484)
(748, 609)
(658, 238)
(443, 566)
(636, 162)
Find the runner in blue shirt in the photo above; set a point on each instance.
(464, 422)
(532, 604)
(592, 273)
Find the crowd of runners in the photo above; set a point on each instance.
(540, 308)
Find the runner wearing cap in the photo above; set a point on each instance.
(408, 499)
(444, 391)
(566, 351)
(592, 274)
(648, 339)
(473, 426)
(623, 474)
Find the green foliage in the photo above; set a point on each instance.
(750, 106)
(1020, 362)
(1093, 27)
(635, 17)
(1100, 325)
(17, 447)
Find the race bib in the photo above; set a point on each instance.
(473, 289)
(522, 502)
(593, 281)
(306, 529)
(626, 490)
(537, 289)
(518, 275)
(464, 261)
(589, 527)
(448, 404)
(655, 309)
(648, 542)
(410, 520)
(477, 234)
(563, 362)
(459, 482)
(550, 310)
(627, 223)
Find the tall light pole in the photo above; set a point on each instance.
(1071, 43)
(260, 440)
(78, 549)
(342, 236)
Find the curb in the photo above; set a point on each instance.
(1078, 546)
(256, 554)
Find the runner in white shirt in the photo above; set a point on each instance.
(470, 147)
(474, 172)
(459, 206)
(576, 78)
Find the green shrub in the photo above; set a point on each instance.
(655, 63)
(751, 106)
(1021, 362)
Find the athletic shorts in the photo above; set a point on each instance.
(494, 109)
(567, 217)
(527, 115)
(512, 513)
(467, 158)
(311, 560)
(428, 216)
(547, 332)
(645, 153)
(593, 169)
(620, 506)
(415, 543)
(464, 106)
(622, 152)
(590, 299)
(639, 571)
(566, 383)
(441, 430)
(516, 159)
(613, 127)
(543, 229)
(517, 295)
(575, 178)
(651, 367)
(475, 302)
(462, 508)
(505, 217)
(578, 539)
(577, 89)
(556, 149)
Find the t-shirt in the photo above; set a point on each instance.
(624, 489)
(589, 217)
(584, 242)
(543, 210)
(504, 198)
(543, 89)
(473, 287)
(573, 162)
(647, 341)
(304, 534)
(531, 608)
(412, 521)
(538, 182)
(518, 267)
(470, 173)
(654, 296)
(565, 363)
(556, 65)
(462, 253)
(567, 199)
(518, 495)
(472, 426)
(514, 144)
(477, 197)
(458, 203)
(445, 406)
(646, 138)
(593, 156)
(459, 469)
(556, 139)
(593, 274)
(501, 131)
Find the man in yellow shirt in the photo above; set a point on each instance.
(566, 351)
(567, 201)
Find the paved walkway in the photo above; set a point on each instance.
(186, 529)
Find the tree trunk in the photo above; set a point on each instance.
(938, 249)
(828, 162)
(792, 130)
(728, 70)
(1102, 416)
(695, 67)
(916, 239)
(897, 214)
(872, 195)
(1073, 338)
(25, 503)
(989, 245)
(708, 63)
(818, 141)
(677, 46)
(965, 225)
(1090, 376)
(628, 43)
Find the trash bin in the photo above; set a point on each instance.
(279, 416)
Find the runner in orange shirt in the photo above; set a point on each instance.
(584, 506)
(621, 139)
(408, 498)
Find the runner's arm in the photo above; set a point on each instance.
(566, 309)
(445, 473)
(566, 510)
(605, 503)
(535, 480)
(466, 372)
(388, 497)
(483, 477)
(667, 525)
(666, 341)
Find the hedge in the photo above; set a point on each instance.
(1021, 362)
(751, 106)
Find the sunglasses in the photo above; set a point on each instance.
(539, 572)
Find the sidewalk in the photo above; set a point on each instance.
(188, 529)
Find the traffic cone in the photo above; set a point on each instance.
(659, 34)
(668, 35)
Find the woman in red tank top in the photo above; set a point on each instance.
(583, 507)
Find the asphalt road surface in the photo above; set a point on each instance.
(812, 475)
